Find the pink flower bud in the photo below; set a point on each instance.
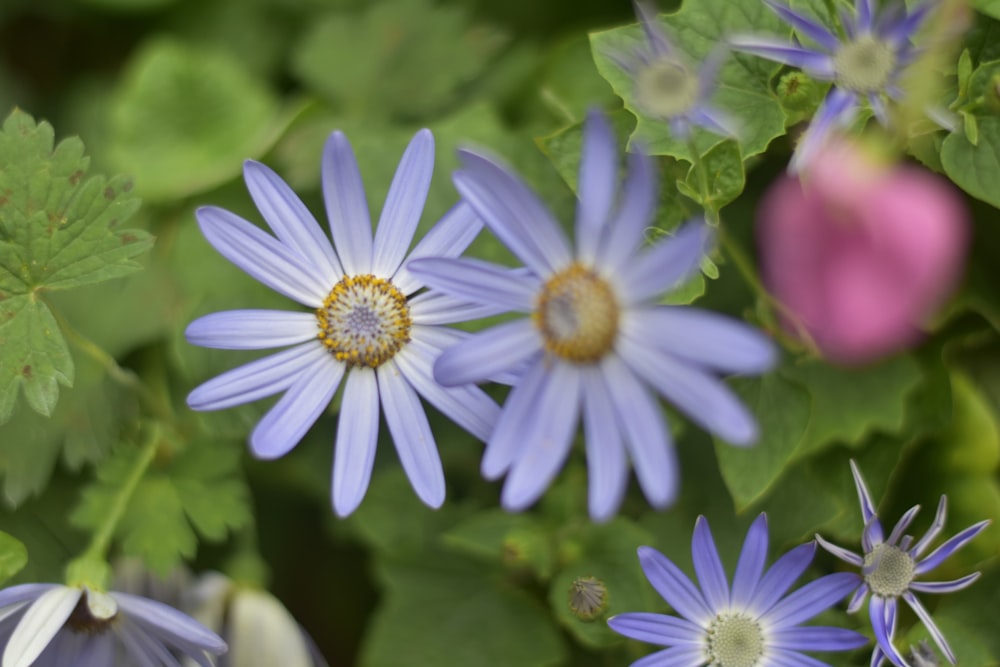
(861, 253)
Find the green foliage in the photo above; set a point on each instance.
(58, 230)
(13, 556)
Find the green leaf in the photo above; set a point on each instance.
(782, 410)
(975, 168)
(743, 87)
(971, 128)
(185, 118)
(723, 169)
(34, 358)
(13, 556)
(446, 612)
(988, 7)
(964, 72)
(516, 540)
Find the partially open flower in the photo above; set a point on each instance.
(861, 253)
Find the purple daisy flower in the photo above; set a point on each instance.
(865, 63)
(368, 326)
(751, 624)
(48, 625)
(889, 568)
(668, 86)
(596, 343)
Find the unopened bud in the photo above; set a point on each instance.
(588, 598)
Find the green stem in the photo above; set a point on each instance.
(711, 214)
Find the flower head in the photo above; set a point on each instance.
(48, 625)
(595, 343)
(753, 623)
(866, 63)
(889, 568)
(667, 85)
(861, 253)
(368, 326)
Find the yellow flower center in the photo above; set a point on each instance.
(364, 321)
(889, 570)
(577, 313)
(735, 640)
(864, 65)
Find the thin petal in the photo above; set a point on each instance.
(931, 626)
(675, 656)
(434, 308)
(346, 207)
(837, 109)
(290, 220)
(141, 648)
(634, 215)
(513, 213)
(607, 466)
(842, 554)
(899, 33)
(784, 658)
(488, 352)
(708, 567)
(357, 434)
(751, 564)
(780, 577)
(934, 530)
(548, 434)
(655, 37)
(944, 586)
(903, 523)
(674, 586)
(706, 400)
(865, 12)
(813, 638)
(39, 625)
(811, 599)
(857, 599)
(716, 120)
(703, 338)
(479, 282)
(251, 329)
(657, 629)
(23, 592)
(596, 189)
(448, 238)
(864, 497)
(506, 441)
(816, 63)
(872, 535)
(940, 554)
(288, 421)
(263, 257)
(411, 434)
(404, 204)
(257, 379)
(179, 627)
(805, 26)
(665, 265)
(879, 609)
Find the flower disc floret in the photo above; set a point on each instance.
(577, 314)
(666, 88)
(865, 65)
(735, 640)
(364, 321)
(888, 570)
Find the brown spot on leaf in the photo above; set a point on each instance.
(109, 193)
(127, 186)
(74, 178)
(128, 238)
(26, 372)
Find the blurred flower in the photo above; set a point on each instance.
(866, 63)
(667, 86)
(259, 630)
(596, 342)
(861, 253)
(367, 324)
(890, 566)
(48, 625)
(751, 624)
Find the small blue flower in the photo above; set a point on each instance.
(889, 568)
(866, 63)
(751, 624)
(667, 86)
(368, 324)
(595, 343)
(48, 625)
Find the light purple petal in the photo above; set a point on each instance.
(666, 265)
(708, 567)
(479, 282)
(674, 586)
(944, 586)
(903, 523)
(811, 599)
(445, 338)
(647, 438)
(940, 554)
(657, 629)
(864, 497)
(596, 188)
(506, 441)
(141, 647)
(547, 433)
(751, 564)
(816, 63)
(872, 535)
(879, 611)
(346, 207)
(467, 405)
(513, 213)
(263, 257)
(489, 352)
(879, 108)
(812, 638)
(411, 434)
(23, 592)
(931, 626)
(357, 434)
(404, 204)
(837, 109)
(39, 625)
(857, 599)
(842, 554)
(780, 577)
(448, 238)
(290, 220)
(716, 120)
(433, 308)
(288, 421)
(934, 530)
(655, 36)
(634, 215)
(180, 628)
(783, 658)
(865, 12)
(706, 400)
(805, 26)
(257, 379)
(900, 32)
(607, 466)
(702, 337)
(252, 329)
(675, 656)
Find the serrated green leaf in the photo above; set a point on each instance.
(975, 168)
(782, 410)
(13, 556)
(34, 358)
(723, 169)
(743, 85)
